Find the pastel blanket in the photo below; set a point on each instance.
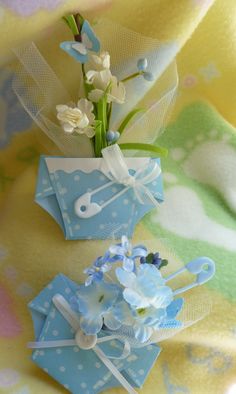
(197, 218)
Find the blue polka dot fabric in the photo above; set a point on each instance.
(81, 371)
(61, 184)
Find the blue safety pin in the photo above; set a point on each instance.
(202, 267)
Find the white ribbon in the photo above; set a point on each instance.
(118, 172)
(71, 317)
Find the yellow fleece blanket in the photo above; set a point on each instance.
(197, 218)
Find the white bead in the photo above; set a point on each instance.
(85, 341)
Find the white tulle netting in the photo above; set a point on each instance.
(195, 308)
(39, 89)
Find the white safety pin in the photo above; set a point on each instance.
(85, 208)
(202, 267)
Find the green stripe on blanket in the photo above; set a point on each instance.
(198, 216)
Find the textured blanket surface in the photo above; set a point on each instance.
(197, 218)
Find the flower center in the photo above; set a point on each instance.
(101, 298)
(74, 114)
(141, 311)
(129, 252)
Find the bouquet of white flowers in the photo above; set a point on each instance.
(101, 124)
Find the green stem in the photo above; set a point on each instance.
(102, 116)
(98, 138)
(79, 21)
(157, 150)
(70, 21)
(83, 70)
(128, 118)
(104, 108)
(86, 90)
(137, 74)
(109, 115)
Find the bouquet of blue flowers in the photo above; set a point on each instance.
(114, 320)
(138, 303)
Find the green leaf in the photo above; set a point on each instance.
(153, 149)
(102, 116)
(66, 21)
(164, 263)
(79, 20)
(98, 138)
(70, 21)
(149, 258)
(128, 118)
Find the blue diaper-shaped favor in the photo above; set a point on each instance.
(81, 371)
(95, 198)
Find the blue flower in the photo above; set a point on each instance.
(148, 76)
(172, 311)
(79, 50)
(96, 271)
(144, 321)
(146, 288)
(126, 253)
(146, 301)
(112, 136)
(142, 64)
(95, 305)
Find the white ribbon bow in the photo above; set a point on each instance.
(85, 342)
(118, 172)
(115, 168)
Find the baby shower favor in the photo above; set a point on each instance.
(96, 191)
(102, 333)
(89, 198)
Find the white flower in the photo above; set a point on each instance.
(101, 80)
(101, 61)
(79, 119)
